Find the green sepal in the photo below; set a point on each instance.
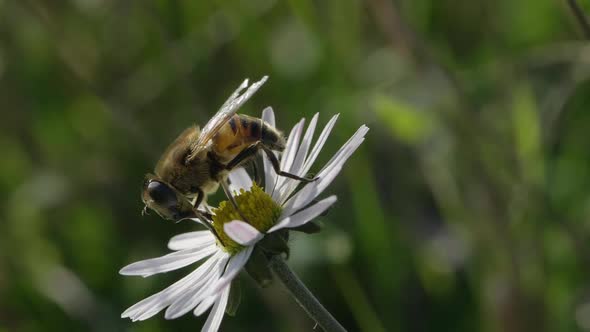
(311, 227)
(257, 268)
(235, 298)
(275, 244)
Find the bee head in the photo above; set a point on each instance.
(165, 200)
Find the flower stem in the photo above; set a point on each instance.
(304, 297)
(580, 17)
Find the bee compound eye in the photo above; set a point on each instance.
(161, 193)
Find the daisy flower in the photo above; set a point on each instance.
(268, 214)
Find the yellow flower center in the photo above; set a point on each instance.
(256, 206)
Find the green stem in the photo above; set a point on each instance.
(580, 17)
(304, 297)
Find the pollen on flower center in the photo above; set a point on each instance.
(256, 206)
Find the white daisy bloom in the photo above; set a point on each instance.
(279, 206)
(296, 159)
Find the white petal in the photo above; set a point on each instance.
(292, 145)
(319, 144)
(206, 304)
(242, 232)
(234, 267)
(190, 299)
(191, 240)
(166, 299)
(288, 185)
(292, 184)
(270, 175)
(239, 179)
(304, 147)
(326, 175)
(350, 146)
(155, 303)
(305, 215)
(168, 262)
(186, 302)
(288, 156)
(216, 316)
(192, 296)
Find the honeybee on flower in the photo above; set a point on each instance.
(249, 237)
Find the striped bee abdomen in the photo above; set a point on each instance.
(240, 132)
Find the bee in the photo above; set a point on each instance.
(198, 161)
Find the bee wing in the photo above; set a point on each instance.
(227, 110)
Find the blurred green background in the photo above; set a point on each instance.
(466, 209)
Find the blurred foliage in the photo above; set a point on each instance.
(467, 208)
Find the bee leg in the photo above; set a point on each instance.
(256, 172)
(231, 198)
(206, 219)
(206, 215)
(245, 154)
(251, 151)
(277, 166)
(199, 198)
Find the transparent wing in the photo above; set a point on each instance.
(227, 110)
